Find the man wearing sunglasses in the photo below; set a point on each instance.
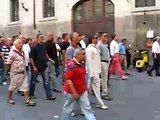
(93, 63)
(105, 60)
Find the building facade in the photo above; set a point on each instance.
(129, 19)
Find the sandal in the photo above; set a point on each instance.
(10, 101)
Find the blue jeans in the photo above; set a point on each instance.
(46, 82)
(83, 102)
(57, 70)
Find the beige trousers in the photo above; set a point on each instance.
(105, 69)
(123, 61)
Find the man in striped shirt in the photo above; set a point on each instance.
(5, 50)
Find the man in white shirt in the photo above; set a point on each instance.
(156, 57)
(93, 63)
(82, 42)
(115, 64)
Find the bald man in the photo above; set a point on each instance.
(74, 44)
(53, 61)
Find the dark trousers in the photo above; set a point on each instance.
(46, 82)
(155, 66)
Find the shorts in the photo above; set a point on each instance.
(18, 81)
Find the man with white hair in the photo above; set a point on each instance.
(18, 75)
(75, 88)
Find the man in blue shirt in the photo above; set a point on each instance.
(122, 55)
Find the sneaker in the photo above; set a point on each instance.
(127, 73)
(73, 114)
(30, 103)
(10, 101)
(51, 98)
(104, 107)
(4, 83)
(82, 113)
(56, 90)
(124, 77)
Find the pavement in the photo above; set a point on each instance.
(137, 98)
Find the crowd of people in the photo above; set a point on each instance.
(85, 64)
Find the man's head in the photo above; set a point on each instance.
(93, 39)
(65, 36)
(29, 41)
(124, 41)
(34, 41)
(75, 37)
(2, 39)
(22, 37)
(50, 36)
(103, 36)
(9, 41)
(80, 54)
(59, 40)
(114, 37)
(18, 44)
(40, 38)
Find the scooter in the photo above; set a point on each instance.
(142, 60)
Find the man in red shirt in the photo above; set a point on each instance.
(75, 88)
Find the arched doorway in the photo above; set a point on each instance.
(92, 16)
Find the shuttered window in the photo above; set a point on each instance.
(144, 3)
(48, 8)
(14, 10)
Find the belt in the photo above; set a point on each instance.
(104, 61)
(22, 72)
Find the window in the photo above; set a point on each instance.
(78, 13)
(99, 9)
(144, 3)
(14, 10)
(88, 10)
(48, 8)
(109, 9)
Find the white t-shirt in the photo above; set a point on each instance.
(26, 48)
(83, 44)
(58, 49)
(114, 48)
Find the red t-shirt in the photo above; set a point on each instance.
(76, 73)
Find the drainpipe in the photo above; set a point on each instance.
(34, 14)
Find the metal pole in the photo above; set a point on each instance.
(34, 14)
